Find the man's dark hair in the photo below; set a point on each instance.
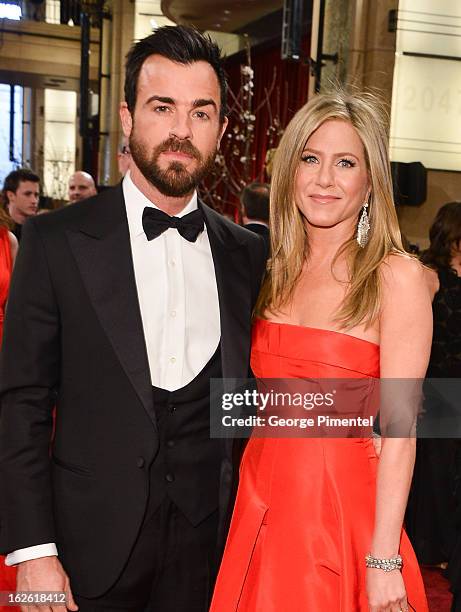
(18, 176)
(181, 44)
(255, 200)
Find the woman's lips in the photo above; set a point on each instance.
(323, 198)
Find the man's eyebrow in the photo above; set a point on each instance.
(164, 99)
(204, 102)
(195, 104)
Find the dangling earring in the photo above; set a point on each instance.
(363, 227)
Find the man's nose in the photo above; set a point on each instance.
(181, 126)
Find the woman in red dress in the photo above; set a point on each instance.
(8, 248)
(341, 299)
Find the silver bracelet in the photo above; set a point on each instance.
(386, 565)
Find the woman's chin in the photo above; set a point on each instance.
(322, 223)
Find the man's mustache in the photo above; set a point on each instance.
(179, 146)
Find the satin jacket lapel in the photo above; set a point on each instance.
(101, 246)
(234, 293)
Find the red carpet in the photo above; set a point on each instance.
(7, 583)
(437, 592)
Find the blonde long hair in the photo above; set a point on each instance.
(289, 239)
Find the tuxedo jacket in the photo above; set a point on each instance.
(74, 339)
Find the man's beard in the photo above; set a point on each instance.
(174, 181)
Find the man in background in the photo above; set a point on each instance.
(255, 201)
(81, 187)
(21, 191)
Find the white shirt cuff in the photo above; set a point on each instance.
(31, 552)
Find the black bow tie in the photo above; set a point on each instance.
(155, 222)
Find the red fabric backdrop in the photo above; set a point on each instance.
(287, 82)
(288, 95)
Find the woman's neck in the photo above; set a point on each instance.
(324, 243)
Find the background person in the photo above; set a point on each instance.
(255, 202)
(434, 508)
(21, 192)
(81, 186)
(431, 514)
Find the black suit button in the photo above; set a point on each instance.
(140, 462)
(170, 443)
(169, 478)
(171, 407)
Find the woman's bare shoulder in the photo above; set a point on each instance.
(399, 269)
(13, 244)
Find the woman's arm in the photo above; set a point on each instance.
(13, 245)
(405, 344)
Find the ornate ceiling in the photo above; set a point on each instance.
(219, 15)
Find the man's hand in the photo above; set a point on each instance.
(44, 574)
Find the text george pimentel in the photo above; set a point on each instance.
(301, 423)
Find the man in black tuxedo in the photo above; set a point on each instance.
(255, 201)
(122, 307)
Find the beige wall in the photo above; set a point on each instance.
(32, 52)
(372, 49)
(39, 48)
(371, 64)
(38, 130)
(122, 37)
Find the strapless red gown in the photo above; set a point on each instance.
(304, 514)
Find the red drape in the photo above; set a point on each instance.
(288, 95)
(287, 81)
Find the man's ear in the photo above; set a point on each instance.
(126, 119)
(10, 195)
(222, 129)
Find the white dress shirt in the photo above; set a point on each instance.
(177, 294)
(178, 299)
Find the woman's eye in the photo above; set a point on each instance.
(346, 163)
(309, 159)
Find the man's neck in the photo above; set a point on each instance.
(17, 216)
(171, 206)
